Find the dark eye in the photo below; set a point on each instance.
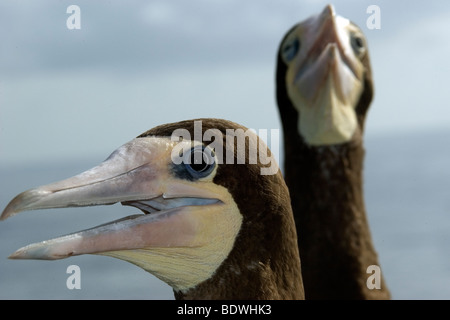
(290, 49)
(199, 161)
(358, 44)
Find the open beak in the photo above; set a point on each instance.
(137, 174)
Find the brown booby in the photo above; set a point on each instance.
(210, 228)
(324, 88)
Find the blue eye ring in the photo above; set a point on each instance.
(290, 49)
(358, 44)
(199, 161)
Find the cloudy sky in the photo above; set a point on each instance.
(74, 96)
(70, 94)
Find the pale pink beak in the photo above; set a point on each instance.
(136, 174)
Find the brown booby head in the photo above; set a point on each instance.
(210, 228)
(324, 79)
(324, 88)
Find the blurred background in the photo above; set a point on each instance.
(68, 98)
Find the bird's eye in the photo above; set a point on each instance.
(290, 49)
(199, 161)
(358, 44)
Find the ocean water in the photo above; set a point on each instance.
(407, 189)
(407, 193)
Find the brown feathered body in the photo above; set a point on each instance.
(326, 187)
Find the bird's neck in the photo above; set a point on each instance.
(256, 281)
(271, 269)
(335, 243)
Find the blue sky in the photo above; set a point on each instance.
(75, 94)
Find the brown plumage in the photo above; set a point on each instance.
(326, 185)
(263, 262)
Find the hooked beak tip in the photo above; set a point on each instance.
(22, 202)
(329, 11)
(7, 213)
